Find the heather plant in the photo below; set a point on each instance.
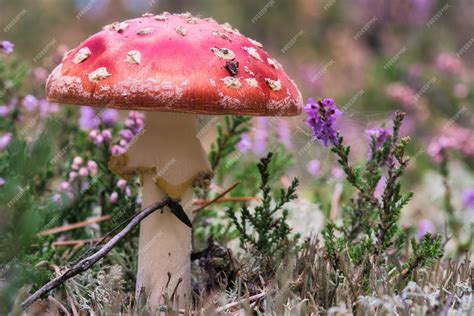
(264, 230)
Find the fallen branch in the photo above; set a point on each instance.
(216, 198)
(66, 228)
(66, 243)
(87, 262)
(229, 199)
(233, 304)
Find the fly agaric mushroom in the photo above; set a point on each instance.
(173, 67)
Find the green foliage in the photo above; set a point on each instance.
(425, 253)
(227, 137)
(265, 230)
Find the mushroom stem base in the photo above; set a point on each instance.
(165, 249)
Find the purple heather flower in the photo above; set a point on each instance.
(261, 136)
(2, 182)
(114, 197)
(87, 119)
(322, 117)
(30, 102)
(468, 198)
(47, 107)
(380, 134)
(126, 134)
(110, 117)
(7, 47)
(107, 134)
(380, 187)
(284, 133)
(314, 167)
(245, 143)
(4, 110)
(424, 227)
(5, 140)
(117, 150)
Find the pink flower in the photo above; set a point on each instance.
(448, 63)
(72, 176)
(113, 197)
(77, 161)
(122, 184)
(83, 172)
(126, 134)
(402, 94)
(117, 150)
(4, 111)
(338, 173)
(56, 198)
(107, 134)
(64, 186)
(2, 182)
(461, 91)
(5, 140)
(92, 166)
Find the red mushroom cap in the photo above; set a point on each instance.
(174, 63)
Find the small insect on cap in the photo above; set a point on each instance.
(174, 63)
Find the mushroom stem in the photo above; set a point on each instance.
(165, 247)
(170, 160)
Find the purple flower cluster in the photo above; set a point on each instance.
(123, 187)
(133, 125)
(284, 133)
(452, 138)
(89, 120)
(31, 103)
(381, 135)
(7, 47)
(322, 117)
(402, 94)
(258, 142)
(245, 143)
(448, 63)
(79, 177)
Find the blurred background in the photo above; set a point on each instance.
(372, 56)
